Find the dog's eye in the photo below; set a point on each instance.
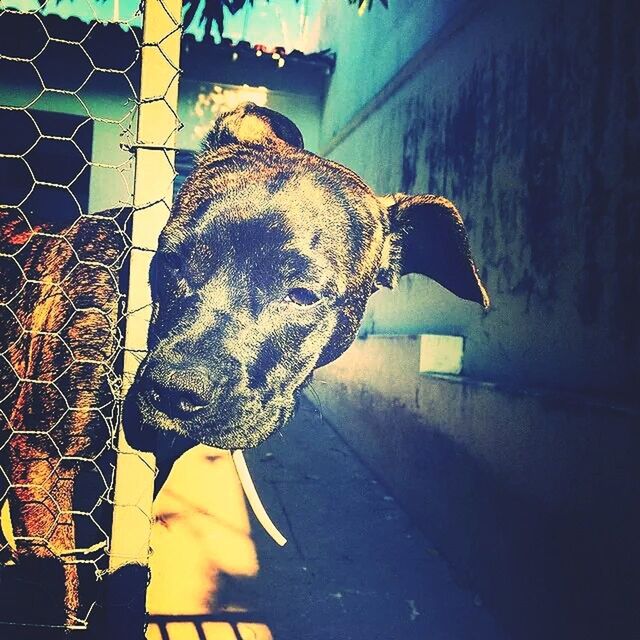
(302, 296)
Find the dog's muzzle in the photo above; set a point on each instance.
(205, 405)
(179, 393)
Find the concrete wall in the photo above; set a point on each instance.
(522, 469)
(526, 115)
(372, 47)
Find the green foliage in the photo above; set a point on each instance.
(213, 11)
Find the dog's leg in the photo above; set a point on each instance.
(56, 398)
(40, 499)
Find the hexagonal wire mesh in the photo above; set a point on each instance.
(69, 111)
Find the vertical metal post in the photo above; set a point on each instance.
(153, 183)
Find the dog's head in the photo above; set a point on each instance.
(262, 274)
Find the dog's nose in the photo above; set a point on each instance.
(180, 393)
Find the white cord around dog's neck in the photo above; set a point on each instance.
(253, 498)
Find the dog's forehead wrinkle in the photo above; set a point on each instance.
(242, 225)
(273, 245)
(265, 246)
(335, 218)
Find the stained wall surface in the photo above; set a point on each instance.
(522, 469)
(526, 115)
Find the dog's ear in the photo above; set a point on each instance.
(253, 125)
(427, 236)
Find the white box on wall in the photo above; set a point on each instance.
(441, 354)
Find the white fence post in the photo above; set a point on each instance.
(153, 184)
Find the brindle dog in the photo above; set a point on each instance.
(262, 274)
(58, 333)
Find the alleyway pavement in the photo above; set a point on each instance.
(354, 568)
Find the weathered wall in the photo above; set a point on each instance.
(526, 115)
(372, 47)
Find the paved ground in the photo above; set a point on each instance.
(354, 568)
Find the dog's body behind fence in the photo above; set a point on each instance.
(59, 309)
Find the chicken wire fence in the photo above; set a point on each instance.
(87, 120)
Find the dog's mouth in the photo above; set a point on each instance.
(243, 424)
